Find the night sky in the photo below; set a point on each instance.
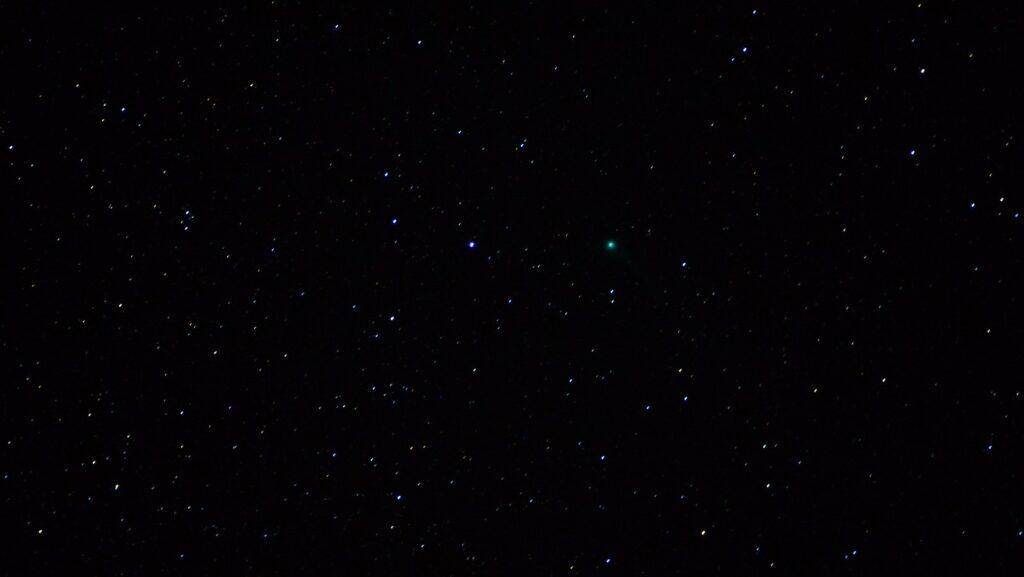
(524, 289)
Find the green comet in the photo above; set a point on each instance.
(610, 245)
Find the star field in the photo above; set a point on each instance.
(529, 289)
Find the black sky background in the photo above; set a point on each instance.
(223, 356)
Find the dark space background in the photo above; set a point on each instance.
(246, 331)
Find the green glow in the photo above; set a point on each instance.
(610, 245)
